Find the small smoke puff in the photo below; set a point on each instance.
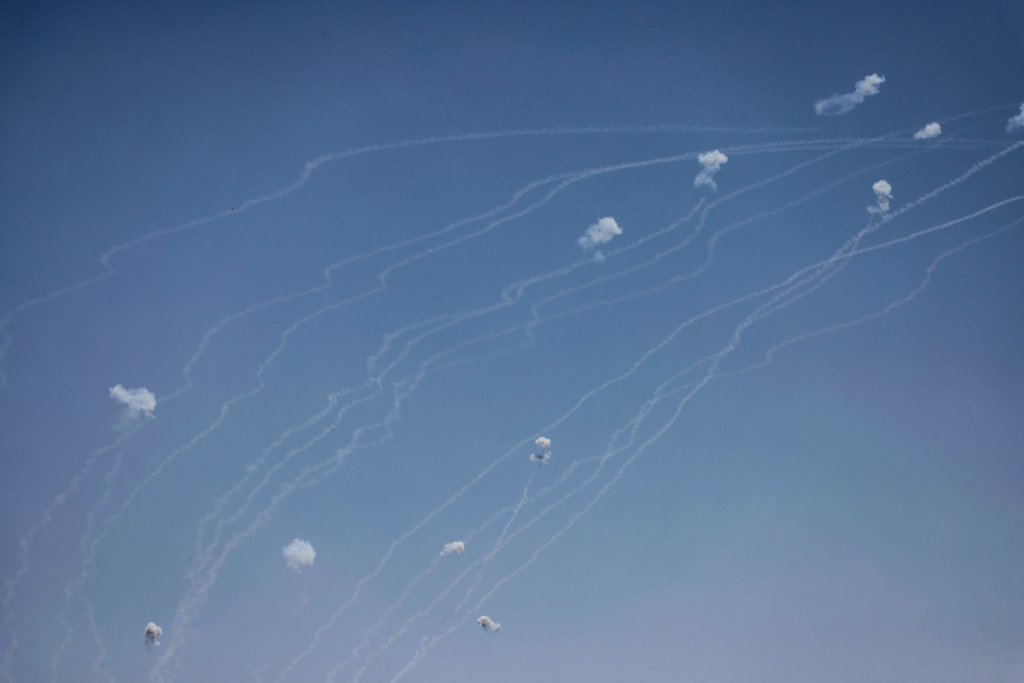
(153, 633)
(299, 554)
(840, 104)
(543, 442)
(599, 233)
(883, 193)
(711, 161)
(453, 548)
(1016, 123)
(488, 624)
(932, 130)
(137, 402)
(541, 457)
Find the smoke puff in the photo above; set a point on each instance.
(543, 442)
(932, 130)
(1016, 123)
(489, 624)
(711, 161)
(153, 633)
(883, 193)
(137, 402)
(599, 233)
(840, 104)
(453, 548)
(299, 554)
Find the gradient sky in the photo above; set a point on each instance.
(850, 511)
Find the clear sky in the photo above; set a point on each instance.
(312, 271)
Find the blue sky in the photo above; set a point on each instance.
(771, 460)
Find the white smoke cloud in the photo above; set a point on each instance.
(488, 624)
(299, 554)
(932, 130)
(541, 457)
(453, 548)
(711, 161)
(600, 233)
(1016, 123)
(543, 442)
(883, 194)
(136, 402)
(840, 104)
(153, 633)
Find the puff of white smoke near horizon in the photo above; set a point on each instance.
(136, 402)
(883, 194)
(931, 130)
(711, 161)
(488, 624)
(299, 554)
(543, 442)
(453, 548)
(1016, 123)
(153, 633)
(599, 233)
(840, 104)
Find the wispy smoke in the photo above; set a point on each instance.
(453, 548)
(600, 233)
(299, 554)
(883, 195)
(840, 104)
(711, 161)
(1016, 123)
(136, 402)
(932, 130)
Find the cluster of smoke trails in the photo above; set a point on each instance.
(332, 398)
(24, 545)
(792, 284)
(765, 309)
(308, 170)
(382, 277)
(377, 625)
(825, 263)
(661, 392)
(712, 374)
(461, 239)
(69, 594)
(507, 298)
(570, 178)
(718, 235)
(328, 282)
(936, 191)
(307, 173)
